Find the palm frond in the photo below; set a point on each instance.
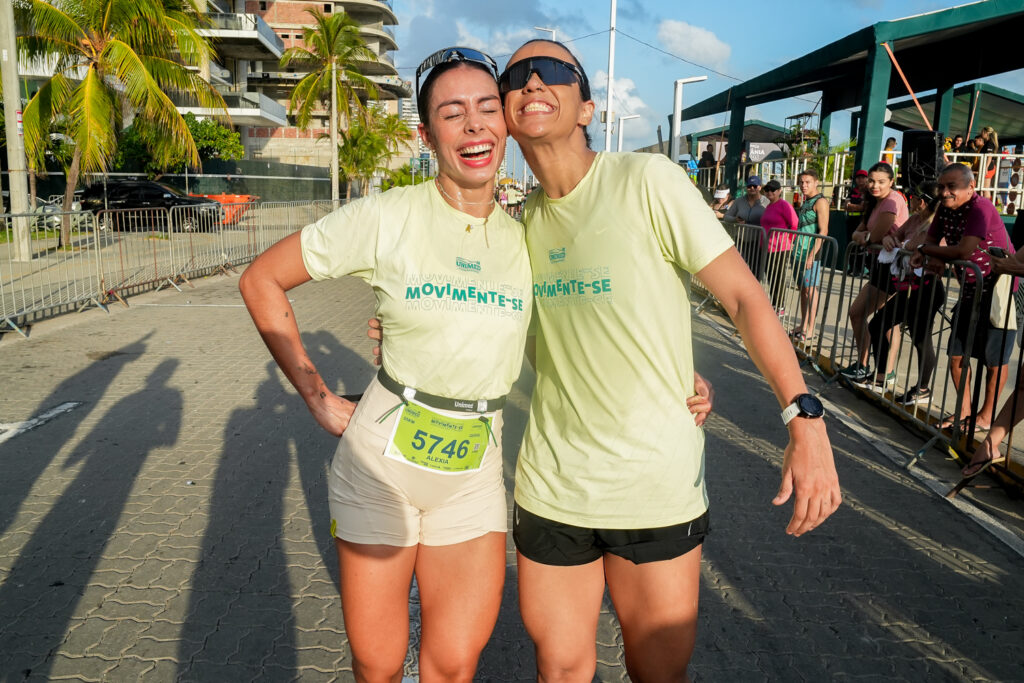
(51, 23)
(92, 110)
(49, 102)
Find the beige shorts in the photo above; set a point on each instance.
(377, 499)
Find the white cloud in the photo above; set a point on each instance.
(694, 43)
(637, 131)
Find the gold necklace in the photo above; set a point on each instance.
(460, 201)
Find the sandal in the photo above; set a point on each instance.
(948, 421)
(974, 468)
(798, 336)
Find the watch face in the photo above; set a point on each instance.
(810, 406)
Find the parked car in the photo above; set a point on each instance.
(184, 213)
(49, 216)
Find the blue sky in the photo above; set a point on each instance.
(739, 38)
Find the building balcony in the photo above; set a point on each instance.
(243, 36)
(246, 108)
(392, 87)
(376, 6)
(384, 34)
(384, 65)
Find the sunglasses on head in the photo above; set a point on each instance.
(550, 70)
(454, 54)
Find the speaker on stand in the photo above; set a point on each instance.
(922, 157)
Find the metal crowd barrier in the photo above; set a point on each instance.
(52, 275)
(907, 332)
(799, 295)
(119, 252)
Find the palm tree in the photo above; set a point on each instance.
(394, 131)
(112, 58)
(333, 48)
(361, 154)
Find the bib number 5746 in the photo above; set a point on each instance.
(423, 440)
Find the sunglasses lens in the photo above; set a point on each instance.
(550, 70)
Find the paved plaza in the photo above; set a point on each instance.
(163, 517)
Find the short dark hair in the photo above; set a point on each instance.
(809, 172)
(772, 186)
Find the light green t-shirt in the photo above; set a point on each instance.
(610, 442)
(453, 291)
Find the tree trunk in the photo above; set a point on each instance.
(69, 197)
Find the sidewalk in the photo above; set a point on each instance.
(170, 524)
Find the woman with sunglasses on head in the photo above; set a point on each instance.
(609, 481)
(416, 484)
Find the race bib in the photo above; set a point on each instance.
(438, 442)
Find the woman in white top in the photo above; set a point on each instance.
(416, 483)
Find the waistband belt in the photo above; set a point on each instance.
(482, 405)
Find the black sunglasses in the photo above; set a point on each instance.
(550, 70)
(454, 54)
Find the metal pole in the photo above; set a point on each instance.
(552, 31)
(622, 120)
(677, 115)
(16, 165)
(611, 82)
(335, 181)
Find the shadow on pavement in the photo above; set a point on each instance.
(241, 621)
(50, 576)
(88, 386)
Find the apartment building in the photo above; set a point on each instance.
(250, 37)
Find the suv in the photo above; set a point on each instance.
(186, 213)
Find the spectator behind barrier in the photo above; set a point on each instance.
(721, 200)
(886, 211)
(889, 153)
(812, 218)
(971, 225)
(778, 214)
(749, 208)
(918, 296)
(1012, 411)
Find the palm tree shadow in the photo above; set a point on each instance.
(245, 586)
(55, 568)
(22, 466)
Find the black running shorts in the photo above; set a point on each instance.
(553, 543)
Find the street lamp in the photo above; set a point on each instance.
(677, 110)
(622, 120)
(552, 31)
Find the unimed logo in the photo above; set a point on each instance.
(466, 264)
(556, 255)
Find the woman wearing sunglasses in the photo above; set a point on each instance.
(416, 482)
(609, 481)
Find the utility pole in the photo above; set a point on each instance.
(335, 181)
(611, 80)
(16, 173)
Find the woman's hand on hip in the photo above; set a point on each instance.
(332, 412)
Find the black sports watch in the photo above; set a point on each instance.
(804, 405)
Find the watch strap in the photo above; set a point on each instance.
(790, 411)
